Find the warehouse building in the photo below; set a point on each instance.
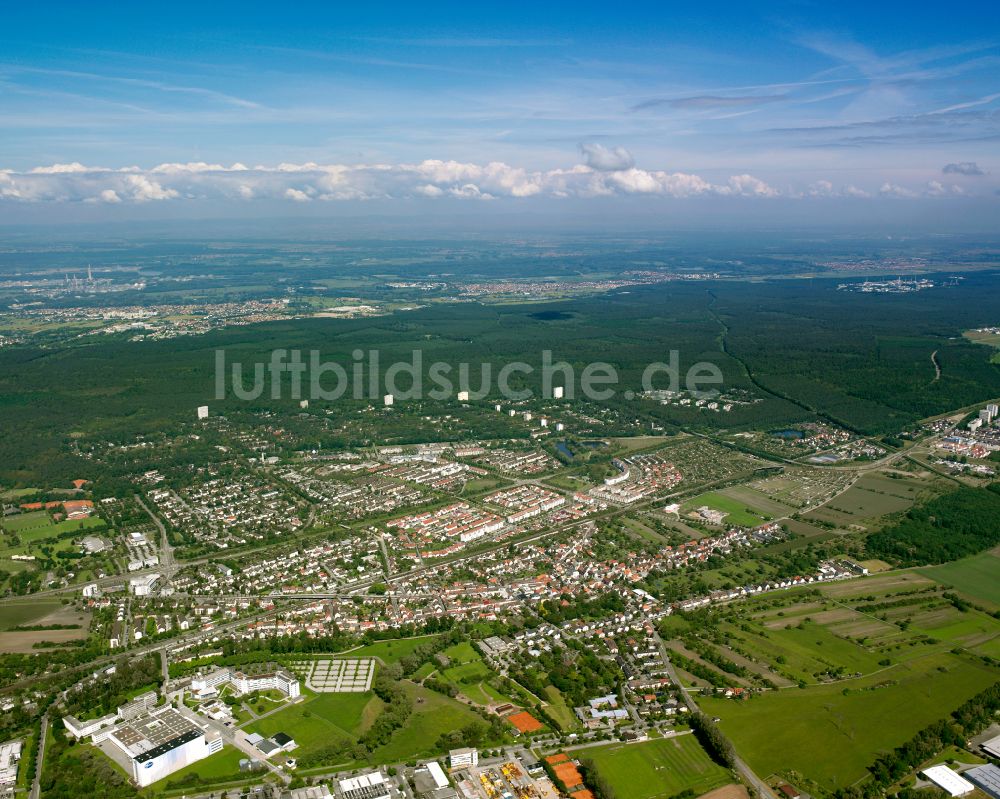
(155, 746)
(948, 781)
(985, 778)
(366, 786)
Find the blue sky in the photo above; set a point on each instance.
(510, 102)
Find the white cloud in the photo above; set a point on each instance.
(749, 186)
(601, 158)
(821, 188)
(427, 180)
(141, 188)
(892, 190)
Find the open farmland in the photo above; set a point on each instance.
(871, 497)
(832, 733)
(51, 614)
(889, 646)
(977, 577)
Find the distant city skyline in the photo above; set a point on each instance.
(237, 106)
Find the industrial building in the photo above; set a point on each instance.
(10, 757)
(985, 778)
(948, 781)
(992, 747)
(98, 729)
(366, 786)
(154, 746)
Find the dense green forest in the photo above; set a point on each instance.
(801, 348)
(946, 528)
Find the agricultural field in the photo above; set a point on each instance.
(831, 733)
(658, 768)
(841, 659)
(977, 577)
(40, 613)
(28, 611)
(870, 498)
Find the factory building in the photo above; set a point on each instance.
(155, 746)
(365, 786)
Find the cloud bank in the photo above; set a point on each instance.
(970, 168)
(606, 173)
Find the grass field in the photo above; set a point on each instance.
(831, 733)
(38, 525)
(977, 577)
(389, 651)
(658, 768)
(737, 511)
(221, 768)
(558, 709)
(757, 501)
(314, 722)
(433, 714)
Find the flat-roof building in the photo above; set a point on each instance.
(463, 758)
(365, 786)
(948, 781)
(985, 778)
(155, 746)
(10, 757)
(992, 746)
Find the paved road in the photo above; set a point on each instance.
(168, 566)
(36, 781)
(762, 788)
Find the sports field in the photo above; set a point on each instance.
(736, 511)
(658, 768)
